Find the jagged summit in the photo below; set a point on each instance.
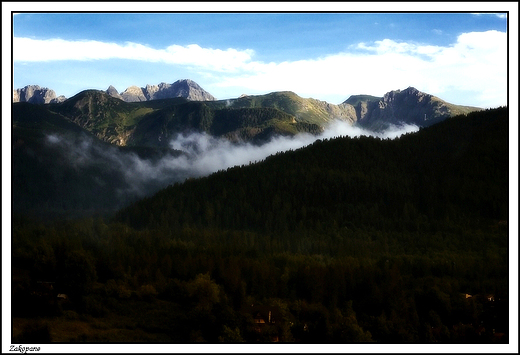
(133, 94)
(396, 107)
(112, 91)
(410, 106)
(36, 95)
(185, 88)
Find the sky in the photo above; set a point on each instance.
(458, 57)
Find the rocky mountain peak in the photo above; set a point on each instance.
(185, 88)
(408, 96)
(409, 106)
(133, 94)
(112, 91)
(36, 95)
(410, 92)
(191, 90)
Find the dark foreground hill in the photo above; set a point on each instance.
(349, 240)
(60, 170)
(455, 170)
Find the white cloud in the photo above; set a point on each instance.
(473, 70)
(34, 50)
(499, 15)
(204, 154)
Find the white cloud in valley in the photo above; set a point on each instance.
(471, 71)
(203, 155)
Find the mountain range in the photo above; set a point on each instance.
(152, 114)
(97, 152)
(36, 95)
(185, 88)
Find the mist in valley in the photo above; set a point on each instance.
(192, 155)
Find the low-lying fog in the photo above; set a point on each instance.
(204, 155)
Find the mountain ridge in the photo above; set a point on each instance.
(448, 152)
(35, 94)
(115, 117)
(185, 88)
(409, 106)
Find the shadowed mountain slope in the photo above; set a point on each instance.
(457, 169)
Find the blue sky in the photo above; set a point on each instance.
(459, 57)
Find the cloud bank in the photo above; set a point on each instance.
(203, 155)
(471, 71)
(35, 50)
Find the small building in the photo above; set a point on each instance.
(265, 314)
(266, 319)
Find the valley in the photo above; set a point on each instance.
(133, 223)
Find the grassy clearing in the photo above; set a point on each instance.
(135, 116)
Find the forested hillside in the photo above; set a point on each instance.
(456, 170)
(348, 240)
(79, 174)
(154, 123)
(60, 170)
(256, 125)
